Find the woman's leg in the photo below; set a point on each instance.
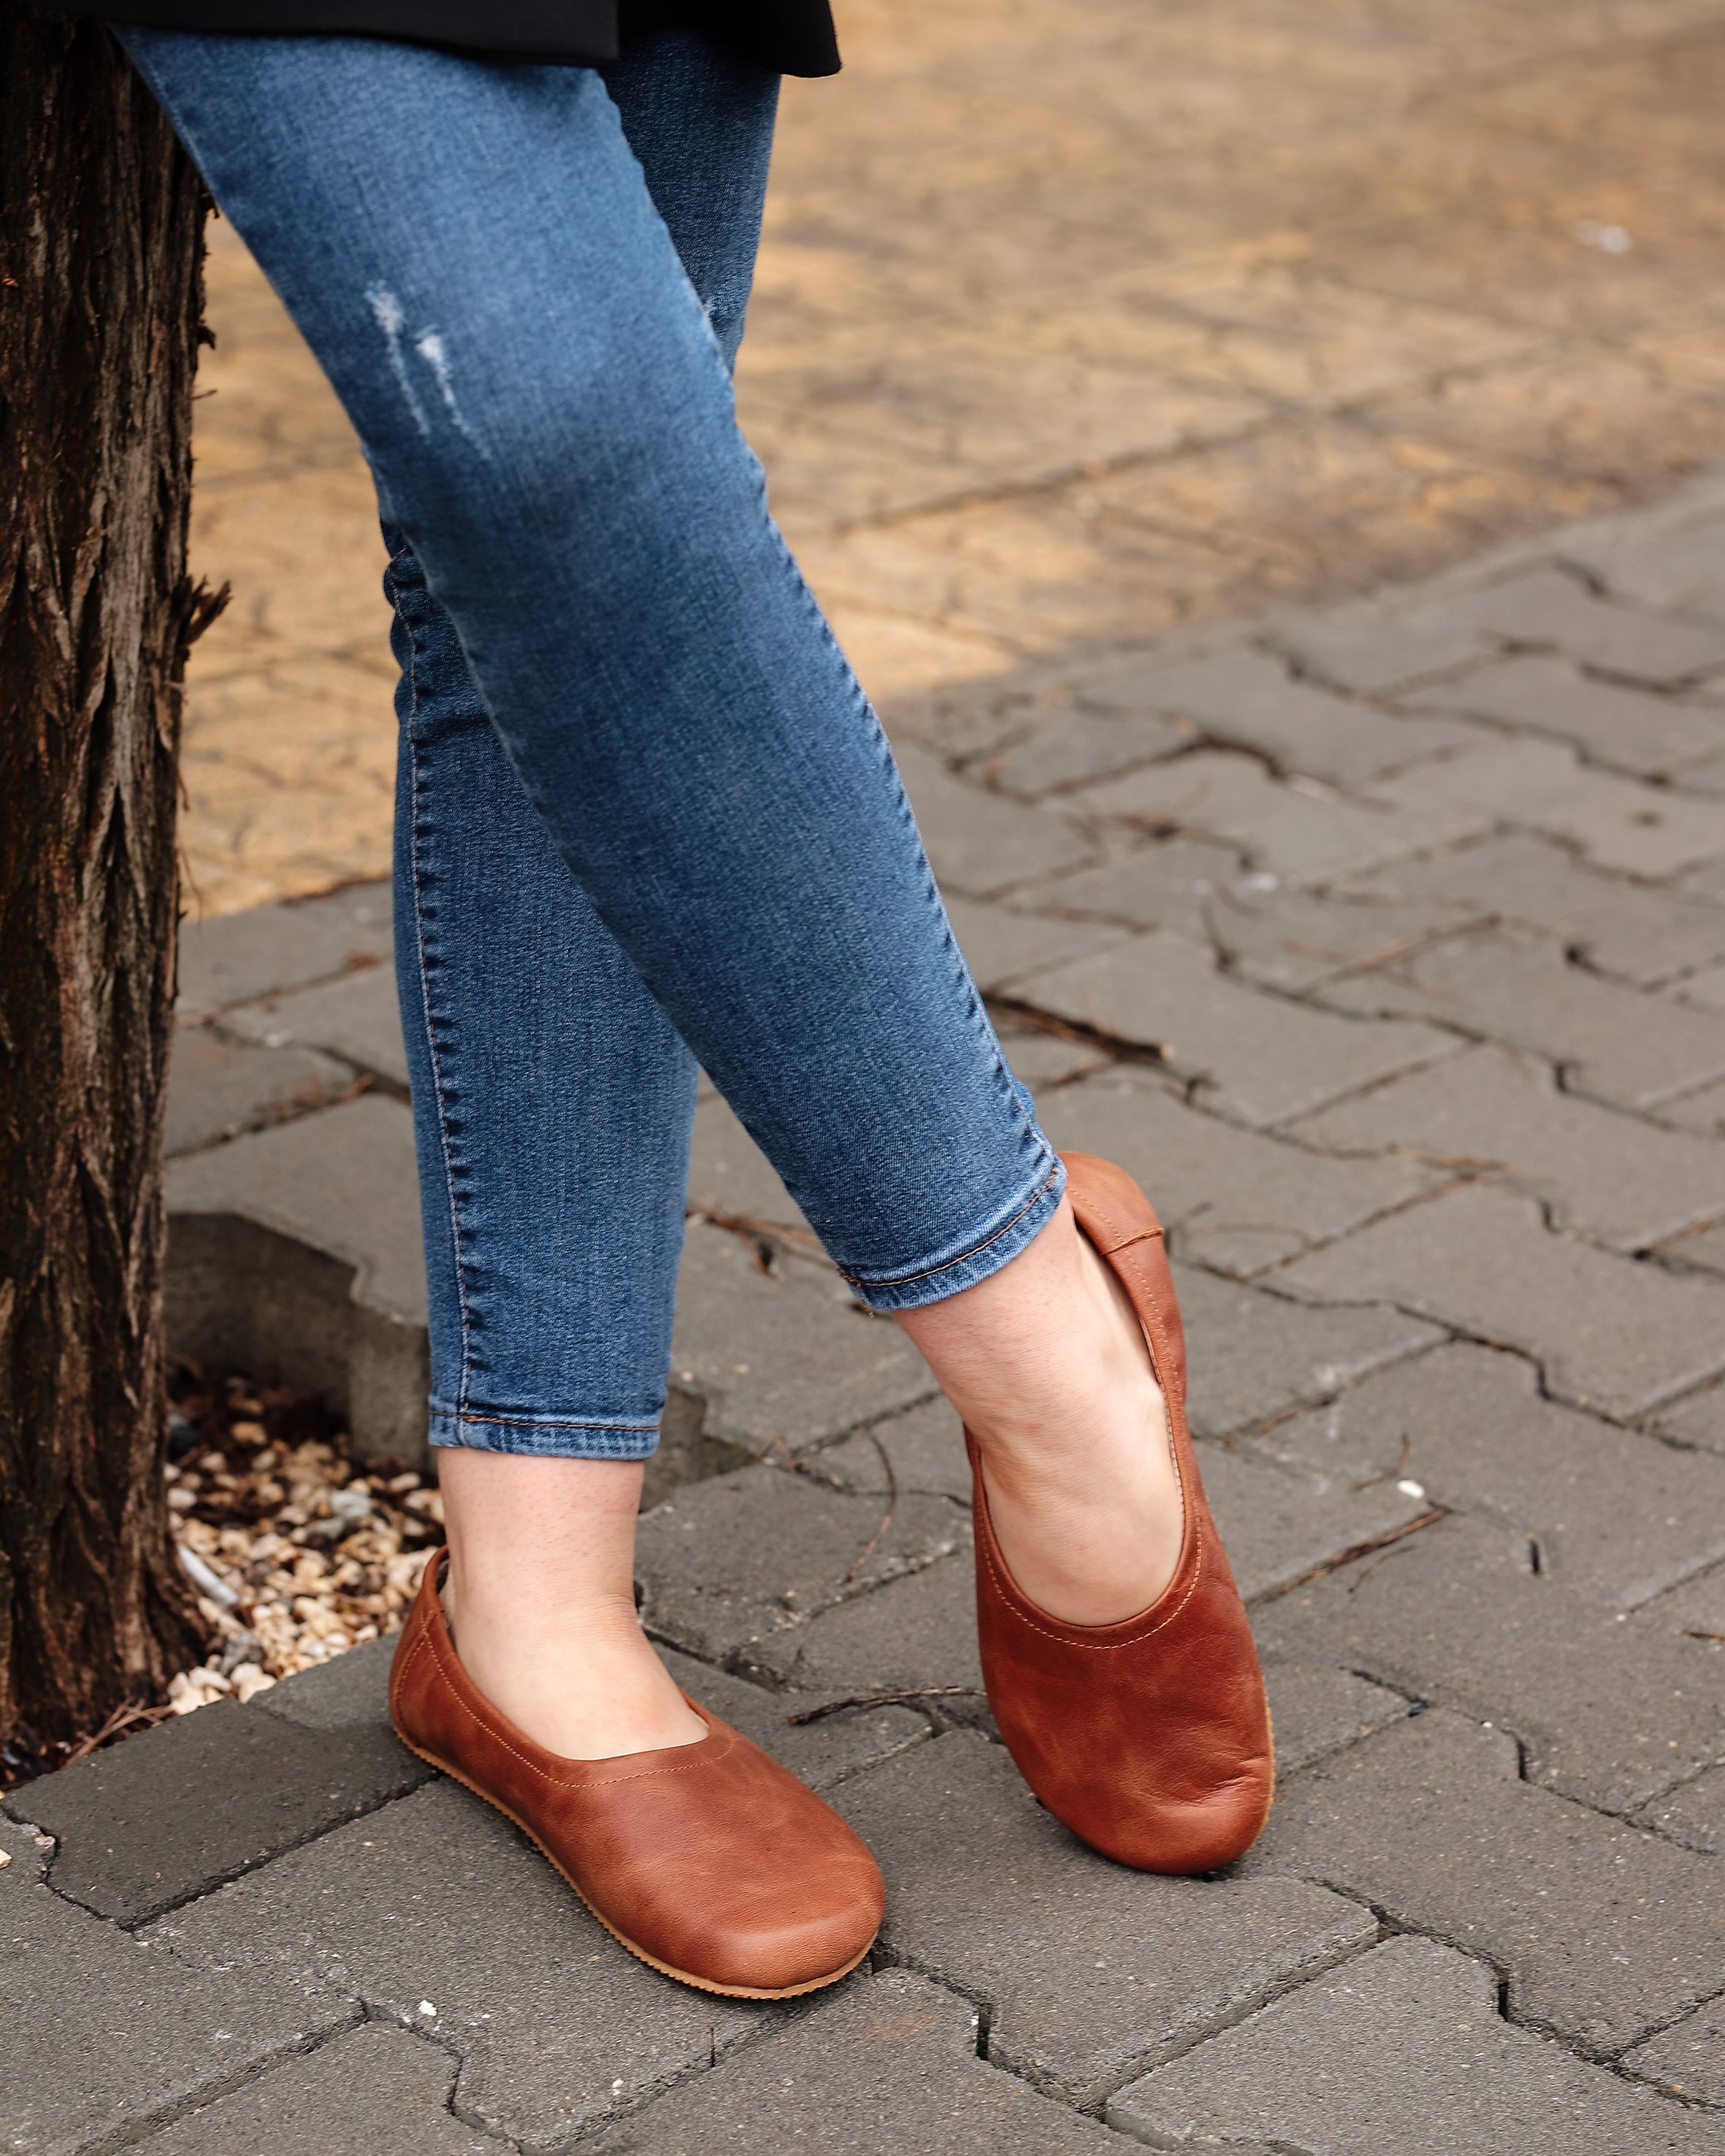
(472, 252)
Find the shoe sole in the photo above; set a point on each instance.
(622, 1939)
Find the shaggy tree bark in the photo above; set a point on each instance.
(101, 221)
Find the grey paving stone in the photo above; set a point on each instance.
(269, 948)
(1613, 1710)
(374, 2089)
(295, 1253)
(1250, 699)
(730, 1176)
(1400, 2049)
(1613, 1178)
(1378, 647)
(1541, 786)
(1229, 1199)
(822, 1753)
(1252, 1356)
(725, 1564)
(202, 1798)
(1644, 932)
(1702, 1111)
(999, 944)
(979, 842)
(1688, 2060)
(1172, 883)
(1698, 1246)
(1679, 565)
(1632, 729)
(105, 2037)
(351, 1690)
(1619, 1044)
(915, 1635)
(1602, 1931)
(1707, 988)
(926, 1447)
(1697, 1421)
(358, 1017)
(217, 1089)
(1090, 1972)
(790, 1354)
(1295, 940)
(888, 2063)
(1257, 1058)
(1696, 1609)
(1074, 746)
(1277, 1525)
(1040, 1059)
(1306, 833)
(1315, 1712)
(439, 1903)
(1693, 1815)
(1618, 1516)
(1609, 1334)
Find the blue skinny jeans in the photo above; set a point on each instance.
(645, 813)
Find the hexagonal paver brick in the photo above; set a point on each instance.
(109, 2037)
(1694, 1813)
(1089, 1972)
(1257, 1058)
(1041, 1056)
(1303, 830)
(1616, 1043)
(296, 1253)
(357, 1018)
(1380, 646)
(1400, 2048)
(374, 2088)
(726, 1563)
(1632, 729)
(1295, 940)
(1250, 699)
(978, 842)
(790, 1354)
(925, 1448)
(437, 1915)
(1643, 933)
(1608, 1333)
(1612, 1710)
(1229, 1199)
(238, 956)
(1688, 2059)
(203, 1798)
(731, 1179)
(1676, 561)
(1602, 1931)
(1618, 1516)
(1000, 944)
(1702, 1111)
(890, 2063)
(1252, 1356)
(1172, 883)
(1610, 1177)
(219, 1088)
(1279, 1526)
(1699, 1421)
(1542, 786)
(915, 1639)
(1075, 746)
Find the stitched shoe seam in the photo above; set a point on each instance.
(1093, 1646)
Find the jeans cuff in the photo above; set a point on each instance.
(996, 1246)
(543, 1437)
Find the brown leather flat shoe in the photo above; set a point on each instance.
(1150, 1739)
(709, 1861)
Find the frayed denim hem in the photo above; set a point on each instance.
(1024, 1220)
(542, 1437)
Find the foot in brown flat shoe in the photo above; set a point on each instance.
(1150, 1737)
(708, 1861)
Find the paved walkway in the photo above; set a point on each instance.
(1387, 947)
(1077, 322)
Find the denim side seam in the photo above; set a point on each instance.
(432, 1051)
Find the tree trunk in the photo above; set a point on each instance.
(101, 219)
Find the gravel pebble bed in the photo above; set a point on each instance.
(298, 1552)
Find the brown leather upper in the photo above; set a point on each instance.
(709, 1859)
(1150, 1737)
